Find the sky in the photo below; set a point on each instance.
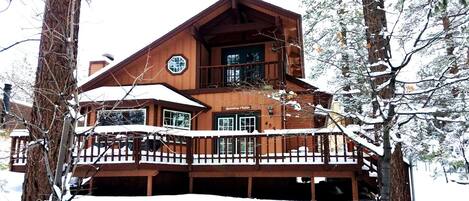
(117, 27)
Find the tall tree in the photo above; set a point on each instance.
(378, 91)
(55, 85)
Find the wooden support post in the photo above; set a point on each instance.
(149, 185)
(191, 184)
(354, 188)
(90, 189)
(249, 187)
(313, 189)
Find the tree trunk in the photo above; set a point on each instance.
(377, 44)
(54, 86)
(399, 180)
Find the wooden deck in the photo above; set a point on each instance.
(261, 155)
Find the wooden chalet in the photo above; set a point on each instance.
(218, 106)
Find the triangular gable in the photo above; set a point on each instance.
(202, 17)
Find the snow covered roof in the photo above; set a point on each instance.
(315, 85)
(121, 129)
(157, 92)
(19, 133)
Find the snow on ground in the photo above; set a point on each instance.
(4, 152)
(10, 185)
(192, 197)
(428, 188)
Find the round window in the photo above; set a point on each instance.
(177, 64)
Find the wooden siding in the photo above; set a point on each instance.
(153, 65)
(257, 100)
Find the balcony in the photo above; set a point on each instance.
(239, 75)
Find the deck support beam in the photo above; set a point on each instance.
(313, 189)
(149, 185)
(249, 187)
(354, 188)
(191, 184)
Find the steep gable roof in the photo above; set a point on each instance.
(111, 68)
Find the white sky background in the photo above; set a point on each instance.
(118, 27)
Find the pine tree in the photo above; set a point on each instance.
(54, 86)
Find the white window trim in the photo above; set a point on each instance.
(114, 110)
(224, 118)
(177, 127)
(248, 117)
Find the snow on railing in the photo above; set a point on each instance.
(157, 145)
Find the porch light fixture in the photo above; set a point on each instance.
(270, 110)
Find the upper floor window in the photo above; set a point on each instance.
(122, 117)
(177, 64)
(176, 119)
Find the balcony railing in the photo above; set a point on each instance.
(239, 75)
(243, 149)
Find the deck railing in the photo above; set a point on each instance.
(238, 75)
(250, 149)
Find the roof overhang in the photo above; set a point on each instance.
(158, 92)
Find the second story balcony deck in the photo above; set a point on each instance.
(239, 75)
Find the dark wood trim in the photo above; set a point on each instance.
(233, 28)
(274, 8)
(300, 40)
(198, 53)
(211, 90)
(199, 38)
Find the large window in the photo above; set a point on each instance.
(176, 119)
(122, 117)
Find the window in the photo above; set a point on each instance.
(176, 119)
(243, 122)
(235, 75)
(122, 117)
(177, 64)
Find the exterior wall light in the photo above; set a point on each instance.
(270, 110)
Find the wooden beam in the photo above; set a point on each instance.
(235, 11)
(197, 36)
(115, 173)
(149, 185)
(354, 188)
(280, 174)
(313, 189)
(191, 184)
(90, 189)
(238, 28)
(249, 187)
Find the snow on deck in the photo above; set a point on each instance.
(139, 92)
